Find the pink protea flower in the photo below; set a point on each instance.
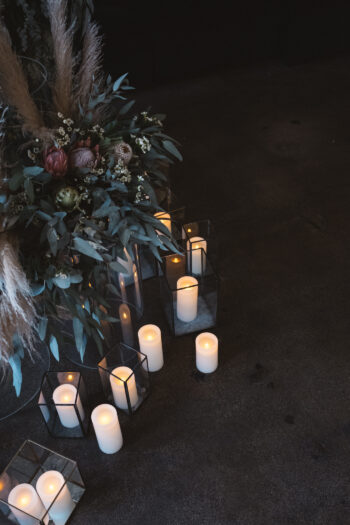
(83, 156)
(56, 162)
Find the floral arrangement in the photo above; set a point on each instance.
(78, 181)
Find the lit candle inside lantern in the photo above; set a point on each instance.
(150, 340)
(197, 248)
(125, 323)
(187, 298)
(67, 377)
(165, 218)
(68, 395)
(206, 352)
(123, 378)
(137, 287)
(106, 424)
(55, 495)
(24, 498)
(121, 279)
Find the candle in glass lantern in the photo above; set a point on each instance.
(137, 287)
(121, 279)
(123, 378)
(24, 498)
(150, 340)
(126, 325)
(187, 298)
(68, 395)
(55, 495)
(106, 424)
(165, 218)
(197, 248)
(206, 352)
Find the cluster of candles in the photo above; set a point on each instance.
(187, 286)
(104, 417)
(30, 503)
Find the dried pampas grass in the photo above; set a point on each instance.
(90, 70)
(14, 87)
(62, 37)
(17, 311)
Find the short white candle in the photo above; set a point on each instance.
(106, 424)
(126, 325)
(165, 218)
(150, 340)
(24, 498)
(53, 490)
(197, 246)
(68, 395)
(206, 352)
(187, 298)
(123, 377)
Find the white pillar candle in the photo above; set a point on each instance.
(137, 287)
(150, 340)
(106, 424)
(68, 395)
(121, 279)
(197, 248)
(206, 352)
(55, 495)
(126, 325)
(187, 298)
(165, 218)
(123, 377)
(24, 498)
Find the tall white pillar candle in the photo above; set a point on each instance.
(121, 279)
(197, 248)
(206, 352)
(106, 424)
(137, 287)
(126, 325)
(24, 498)
(123, 377)
(187, 298)
(55, 495)
(68, 395)
(150, 340)
(165, 218)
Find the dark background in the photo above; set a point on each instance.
(160, 42)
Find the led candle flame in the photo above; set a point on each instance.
(55, 495)
(207, 352)
(68, 395)
(106, 424)
(24, 498)
(150, 340)
(123, 378)
(187, 298)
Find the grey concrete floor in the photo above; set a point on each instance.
(266, 439)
